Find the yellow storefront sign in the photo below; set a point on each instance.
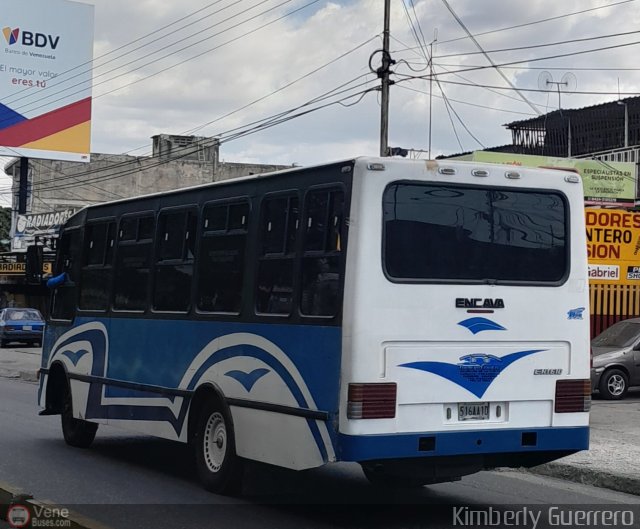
(613, 246)
(19, 268)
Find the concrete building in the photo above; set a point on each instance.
(175, 162)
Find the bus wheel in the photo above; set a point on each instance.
(614, 384)
(219, 468)
(76, 432)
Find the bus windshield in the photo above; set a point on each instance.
(436, 231)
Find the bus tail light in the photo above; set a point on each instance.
(573, 396)
(372, 401)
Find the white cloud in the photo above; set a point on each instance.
(216, 83)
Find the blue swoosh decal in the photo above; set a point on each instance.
(75, 357)
(476, 325)
(474, 377)
(248, 379)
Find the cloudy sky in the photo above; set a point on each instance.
(216, 68)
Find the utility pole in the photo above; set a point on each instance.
(23, 186)
(383, 73)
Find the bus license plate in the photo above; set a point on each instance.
(27, 328)
(473, 411)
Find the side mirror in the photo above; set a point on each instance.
(33, 265)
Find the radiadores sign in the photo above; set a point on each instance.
(46, 53)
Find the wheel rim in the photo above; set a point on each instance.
(215, 442)
(616, 385)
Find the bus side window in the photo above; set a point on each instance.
(279, 225)
(63, 300)
(97, 269)
(221, 258)
(174, 260)
(133, 258)
(322, 253)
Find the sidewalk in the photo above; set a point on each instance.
(612, 462)
(20, 362)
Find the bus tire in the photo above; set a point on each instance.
(614, 384)
(76, 432)
(219, 468)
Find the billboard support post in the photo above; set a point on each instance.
(22, 190)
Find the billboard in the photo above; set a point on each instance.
(46, 52)
(605, 183)
(613, 246)
(45, 226)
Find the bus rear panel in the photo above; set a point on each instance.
(465, 333)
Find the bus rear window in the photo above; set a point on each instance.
(443, 232)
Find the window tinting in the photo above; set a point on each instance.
(133, 262)
(174, 260)
(221, 257)
(64, 298)
(132, 277)
(446, 232)
(321, 262)
(171, 235)
(97, 271)
(95, 240)
(279, 227)
(274, 224)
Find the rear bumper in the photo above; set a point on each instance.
(487, 442)
(22, 336)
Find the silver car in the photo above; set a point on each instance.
(616, 359)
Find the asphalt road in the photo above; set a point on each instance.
(132, 481)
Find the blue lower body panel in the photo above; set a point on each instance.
(467, 443)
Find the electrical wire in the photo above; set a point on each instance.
(237, 132)
(188, 149)
(541, 21)
(173, 33)
(538, 90)
(536, 46)
(183, 61)
(470, 104)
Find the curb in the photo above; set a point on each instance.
(11, 496)
(27, 376)
(589, 476)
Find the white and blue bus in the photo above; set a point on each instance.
(424, 319)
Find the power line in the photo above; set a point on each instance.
(563, 68)
(546, 45)
(477, 105)
(308, 74)
(174, 31)
(548, 57)
(577, 92)
(237, 132)
(486, 55)
(163, 70)
(549, 19)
